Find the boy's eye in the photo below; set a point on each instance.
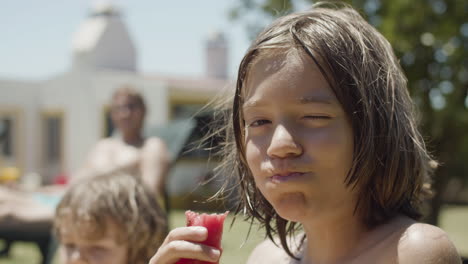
(98, 252)
(69, 248)
(316, 117)
(69, 245)
(257, 123)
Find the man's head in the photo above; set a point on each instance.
(128, 110)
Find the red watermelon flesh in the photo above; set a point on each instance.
(214, 224)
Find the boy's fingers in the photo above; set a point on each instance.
(191, 233)
(175, 250)
(182, 243)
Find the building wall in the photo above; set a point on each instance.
(71, 94)
(19, 99)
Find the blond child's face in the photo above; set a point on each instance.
(298, 139)
(76, 249)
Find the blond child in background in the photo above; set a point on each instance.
(110, 219)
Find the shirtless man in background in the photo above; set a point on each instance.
(128, 150)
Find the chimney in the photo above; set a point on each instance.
(216, 53)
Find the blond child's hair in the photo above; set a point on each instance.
(119, 197)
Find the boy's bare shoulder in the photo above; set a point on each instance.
(423, 243)
(268, 252)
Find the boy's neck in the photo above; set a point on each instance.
(334, 239)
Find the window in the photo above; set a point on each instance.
(108, 126)
(195, 147)
(6, 137)
(183, 111)
(10, 148)
(52, 138)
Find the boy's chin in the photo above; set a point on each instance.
(291, 207)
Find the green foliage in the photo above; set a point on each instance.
(431, 39)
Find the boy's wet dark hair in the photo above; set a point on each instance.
(391, 166)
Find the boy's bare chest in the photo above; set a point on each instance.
(380, 252)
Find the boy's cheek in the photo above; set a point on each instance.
(62, 255)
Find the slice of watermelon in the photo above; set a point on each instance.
(214, 224)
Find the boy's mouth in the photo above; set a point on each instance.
(283, 177)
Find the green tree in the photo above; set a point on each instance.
(431, 39)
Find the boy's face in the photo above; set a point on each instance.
(77, 249)
(298, 140)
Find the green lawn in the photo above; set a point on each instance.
(454, 221)
(22, 253)
(236, 247)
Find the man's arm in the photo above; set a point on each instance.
(155, 165)
(97, 160)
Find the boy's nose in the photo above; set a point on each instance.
(283, 144)
(76, 258)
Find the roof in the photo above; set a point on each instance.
(194, 86)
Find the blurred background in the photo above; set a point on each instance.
(62, 60)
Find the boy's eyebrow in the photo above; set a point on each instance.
(321, 99)
(251, 103)
(317, 99)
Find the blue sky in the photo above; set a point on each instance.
(36, 35)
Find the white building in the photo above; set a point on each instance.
(48, 127)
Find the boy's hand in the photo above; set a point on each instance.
(182, 243)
